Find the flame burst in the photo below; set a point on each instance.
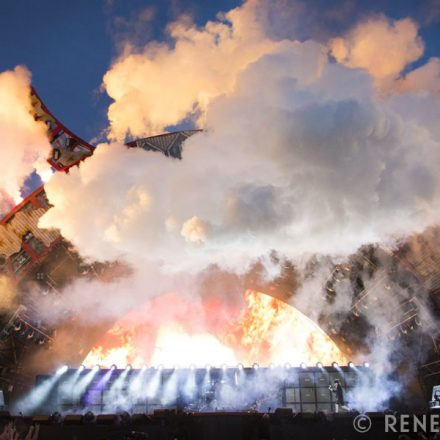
(171, 330)
(272, 331)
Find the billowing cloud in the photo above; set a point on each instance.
(160, 84)
(163, 84)
(24, 144)
(300, 156)
(382, 46)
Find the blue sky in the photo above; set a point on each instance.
(68, 46)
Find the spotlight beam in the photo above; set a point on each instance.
(153, 385)
(40, 393)
(190, 385)
(169, 394)
(84, 382)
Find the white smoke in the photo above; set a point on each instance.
(24, 145)
(389, 47)
(185, 76)
(313, 163)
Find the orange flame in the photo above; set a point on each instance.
(267, 331)
(271, 331)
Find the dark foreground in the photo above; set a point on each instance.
(169, 425)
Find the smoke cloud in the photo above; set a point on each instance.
(381, 46)
(24, 145)
(312, 163)
(159, 85)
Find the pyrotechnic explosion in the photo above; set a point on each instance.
(266, 332)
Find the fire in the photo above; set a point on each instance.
(271, 331)
(175, 346)
(121, 351)
(172, 330)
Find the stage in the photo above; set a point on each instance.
(167, 424)
(300, 389)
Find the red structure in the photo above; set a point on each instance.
(22, 243)
(67, 148)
